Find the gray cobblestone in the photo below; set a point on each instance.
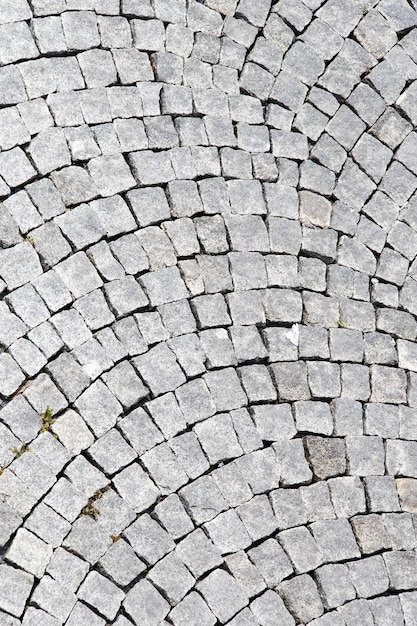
(172, 515)
(326, 458)
(301, 548)
(245, 429)
(71, 327)
(348, 496)
(142, 595)
(193, 610)
(313, 417)
(386, 609)
(172, 577)
(335, 540)
(14, 328)
(257, 517)
(319, 243)
(166, 413)
(302, 597)
(20, 583)
(29, 553)
(96, 406)
(369, 576)
(67, 569)
(211, 589)
(358, 609)
(270, 605)
(271, 561)
(148, 539)
(195, 496)
(140, 431)
(313, 342)
(65, 499)
(280, 344)
(198, 553)
(408, 604)
(164, 468)
(73, 432)
(228, 533)
(355, 381)
(232, 485)
(371, 533)
(27, 304)
(80, 613)
(246, 262)
(245, 573)
(102, 594)
(335, 593)
(90, 549)
(401, 530)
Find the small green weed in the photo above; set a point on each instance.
(19, 451)
(46, 420)
(100, 492)
(90, 510)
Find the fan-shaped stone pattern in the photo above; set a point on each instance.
(208, 366)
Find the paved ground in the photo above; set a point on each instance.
(208, 271)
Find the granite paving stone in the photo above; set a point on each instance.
(302, 597)
(99, 592)
(121, 563)
(208, 274)
(192, 610)
(357, 609)
(211, 589)
(47, 593)
(144, 602)
(15, 589)
(167, 414)
(81, 613)
(336, 585)
(369, 576)
(193, 496)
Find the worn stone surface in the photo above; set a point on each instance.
(208, 275)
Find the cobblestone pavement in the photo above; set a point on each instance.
(208, 322)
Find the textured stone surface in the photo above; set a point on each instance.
(208, 274)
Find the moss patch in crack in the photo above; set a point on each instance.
(46, 420)
(90, 508)
(19, 451)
